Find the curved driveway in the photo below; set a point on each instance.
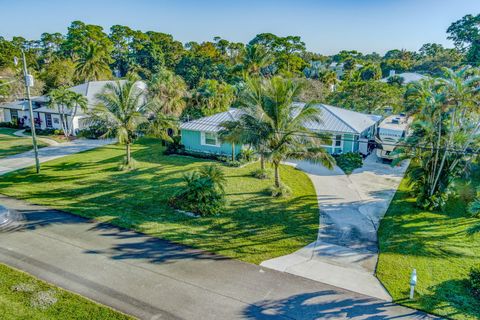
(351, 207)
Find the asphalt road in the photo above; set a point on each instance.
(155, 279)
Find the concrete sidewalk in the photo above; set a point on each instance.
(351, 207)
(26, 159)
(154, 279)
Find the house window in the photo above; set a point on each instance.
(56, 120)
(210, 139)
(338, 140)
(48, 120)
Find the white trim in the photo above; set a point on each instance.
(203, 141)
(334, 140)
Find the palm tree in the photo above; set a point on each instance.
(169, 90)
(215, 174)
(271, 111)
(461, 93)
(232, 132)
(75, 101)
(329, 78)
(93, 65)
(122, 110)
(60, 98)
(447, 120)
(255, 58)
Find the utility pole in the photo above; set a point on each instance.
(29, 83)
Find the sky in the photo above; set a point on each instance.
(326, 26)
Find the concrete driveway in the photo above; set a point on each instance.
(154, 279)
(351, 207)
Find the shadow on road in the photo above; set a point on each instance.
(327, 304)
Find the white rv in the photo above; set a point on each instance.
(390, 131)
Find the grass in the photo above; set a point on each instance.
(255, 227)
(11, 144)
(18, 291)
(436, 244)
(60, 138)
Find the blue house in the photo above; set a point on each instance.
(200, 135)
(350, 131)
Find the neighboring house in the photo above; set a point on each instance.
(350, 131)
(338, 68)
(407, 77)
(47, 117)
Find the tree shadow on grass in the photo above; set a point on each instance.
(13, 150)
(408, 230)
(138, 199)
(451, 298)
(328, 304)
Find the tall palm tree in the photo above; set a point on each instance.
(60, 98)
(255, 58)
(461, 93)
(233, 133)
(169, 90)
(122, 110)
(94, 64)
(76, 101)
(446, 126)
(281, 124)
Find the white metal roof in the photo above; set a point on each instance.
(407, 77)
(23, 104)
(212, 123)
(88, 89)
(91, 89)
(334, 119)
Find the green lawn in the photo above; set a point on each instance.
(25, 297)
(10, 144)
(437, 246)
(255, 226)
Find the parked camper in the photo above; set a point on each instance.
(390, 132)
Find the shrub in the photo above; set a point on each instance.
(43, 132)
(474, 281)
(12, 124)
(203, 193)
(127, 167)
(246, 155)
(349, 161)
(282, 191)
(474, 206)
(261, 174)
(92, 132)
(235, 163)
(465, 192)
(175, 146)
